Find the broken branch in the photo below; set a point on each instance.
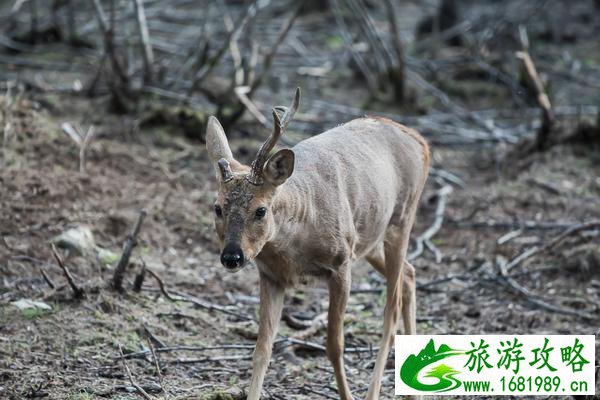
(193, 300)
(442, 196)
(78, 292)
(543, 101)
(127, 249)
(147, 53)
(137, 387)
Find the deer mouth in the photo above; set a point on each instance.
(233, 270)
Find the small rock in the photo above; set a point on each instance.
(24, 304)
(78, 240)
(568, 184)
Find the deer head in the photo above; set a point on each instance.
(243, 210)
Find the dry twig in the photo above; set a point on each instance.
(190, 299)
(127, 249)
(536, 250)
(242, 94)
(442, 196)
(139, 278)
(509, 282)
(144, 353)
(137, 387)
(147, 53)
(78, 292)
(548, 119)
(156, 363)
(47, 278)
(81, 139)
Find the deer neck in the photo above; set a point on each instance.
(292, 213)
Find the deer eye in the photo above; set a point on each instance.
(218, 211)
(260, 212)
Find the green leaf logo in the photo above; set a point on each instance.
(414, 364)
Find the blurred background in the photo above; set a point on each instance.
(104, 105)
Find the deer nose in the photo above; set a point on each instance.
(232, 256)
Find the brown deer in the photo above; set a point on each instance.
(309, 212)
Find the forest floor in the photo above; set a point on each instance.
(72, 349)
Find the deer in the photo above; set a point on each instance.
(309, 212)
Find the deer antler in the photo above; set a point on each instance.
(225, 170)
(280, 125)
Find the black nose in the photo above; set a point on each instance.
(232, 256)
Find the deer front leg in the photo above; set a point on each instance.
(339, 289)
(271, 304)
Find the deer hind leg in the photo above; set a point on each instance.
(396, 243)
(408, 302)
(408, 306)
(377, 258)
(339, 289)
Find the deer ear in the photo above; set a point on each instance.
(216, 141)
(279, 167)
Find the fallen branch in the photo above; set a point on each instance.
(319, 393)
(242, 94)
(137, 387)
(536, 250)
(469, 274)
(442, 196)
(492, 224)
(318, 323)
(447, 176)
(434, 249)
(78, 292)
(531, 298)
(144, 353)
(47, 278)
(127, 249)
(190, 299)
(509, 236)
(148, 333)
(156, 364)
(218, 359)
(294, 322)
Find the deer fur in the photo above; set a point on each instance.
(349, 193)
